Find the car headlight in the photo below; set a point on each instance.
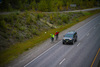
(70, 39)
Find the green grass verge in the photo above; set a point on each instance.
(14, 51)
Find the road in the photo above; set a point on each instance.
(81, 54)
(91, 9)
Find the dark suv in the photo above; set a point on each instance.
(70, 37)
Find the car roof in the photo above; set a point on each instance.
(71, 32)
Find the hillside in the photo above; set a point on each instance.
(18, 27)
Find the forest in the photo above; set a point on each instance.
(46, 5)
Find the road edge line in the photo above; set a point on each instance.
(41, 54)
(95, 57)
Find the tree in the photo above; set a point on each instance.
(42, 6)
(46, 5)
(60, 5)
(33, 5)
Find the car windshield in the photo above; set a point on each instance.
(69, 35)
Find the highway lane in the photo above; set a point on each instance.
(81, 54)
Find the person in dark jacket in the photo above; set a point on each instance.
(56, 34)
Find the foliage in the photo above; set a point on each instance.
(42, 6)
(3, 25)
(33, 5)
(46, 5)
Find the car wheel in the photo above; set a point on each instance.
(63, 43)
(76, 40)
(73, 42)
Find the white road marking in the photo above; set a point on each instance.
(78, 44)
(41, 54)
(62, 61)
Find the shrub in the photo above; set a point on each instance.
(22, 28)
(17, 23)
(4, 35)
(17, 36)
(34, 32)
(59, 22)
(34, 22)
(51, 18)
(87, 13)
(70, 22)
(65, 19)
(26, 14)
(51, 22)
(17, 12)
(3, 25)
(77, 20)
(14, 16)
(41, 15)
(8, 19)
(38, 16)
(28, 20)
(14, 31)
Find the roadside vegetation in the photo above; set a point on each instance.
(20, 32)
(98, 64)
(46, 5)
(16, 27)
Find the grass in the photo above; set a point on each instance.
(98, 64)
(14, 51)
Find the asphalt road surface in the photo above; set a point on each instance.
(4, 13)
(81, 54)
